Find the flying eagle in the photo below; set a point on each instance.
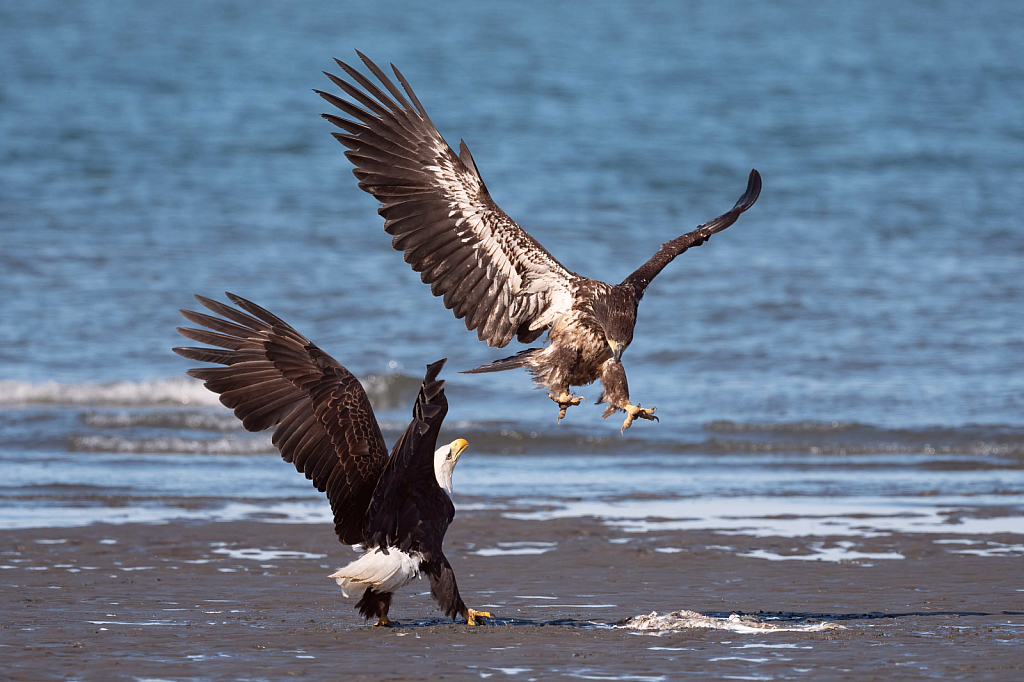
(396, 507)
(489, 270)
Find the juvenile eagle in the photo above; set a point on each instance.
(488, 269)
(396, 507)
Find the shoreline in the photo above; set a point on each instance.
(249, 599)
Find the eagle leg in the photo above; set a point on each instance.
(383, 621)
(565, 401)
(637, 412)
(471, 616)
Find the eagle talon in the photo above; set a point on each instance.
(383, 622)
(637, 412)
(565, 401)
(472, 614)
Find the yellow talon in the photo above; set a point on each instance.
(382, 622)
(637, 412)
(472, 614)
(565, 401)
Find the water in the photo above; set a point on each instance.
(855, 336)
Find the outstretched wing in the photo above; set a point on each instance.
(409, 509)
(649, 270)
(487, 268)
(275, 376)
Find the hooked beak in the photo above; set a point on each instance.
(616, 351)
(458, 446)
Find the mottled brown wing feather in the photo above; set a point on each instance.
(274, 376)
(486, 268)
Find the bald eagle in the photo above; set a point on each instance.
(488, 269)
(396, 507)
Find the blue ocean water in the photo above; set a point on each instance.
(870, 304)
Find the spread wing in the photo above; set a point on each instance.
(409, 509)
(643, 275)
(487, 269)
(274, 376)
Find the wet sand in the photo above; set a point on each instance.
(250, 600)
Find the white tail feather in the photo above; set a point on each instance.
(383, 572)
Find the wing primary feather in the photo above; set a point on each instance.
(222, 357)
(412, 95)
(232, 314)
(382, 106)
(383, 79)
(369, 139)
(467, 158)
(261, 313)
(213, 338)
(352, 127)
(370, 118)
(219, 325)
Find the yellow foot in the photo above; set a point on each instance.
(383, 622)
(565, 401)
(471, 616)
(637, 412)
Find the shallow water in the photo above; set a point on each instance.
(845, 360)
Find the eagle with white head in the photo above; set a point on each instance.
(398, 506)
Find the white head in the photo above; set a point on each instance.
(445, 459)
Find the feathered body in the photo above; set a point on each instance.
(485, 267)
(397, 505)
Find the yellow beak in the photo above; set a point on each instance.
(458, 446)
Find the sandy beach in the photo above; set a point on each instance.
(252, 601)
(835, 488)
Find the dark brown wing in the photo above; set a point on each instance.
(486, 267)
(409, 509)
(649, 270)
(276, 376)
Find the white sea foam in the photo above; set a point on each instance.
(511, 548)
(14, 518)
(993, 549)
(173, 391)
(791, 516)
(840, 551)
(255, 554)
(229, 445)
(204, 420)
(691, 620)
(384, 391)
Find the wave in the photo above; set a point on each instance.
(847, 427)
(180, 405)
(172, 445)
(490, 439)
(385, 391)
(725, 426)
(852, 438)
(194, 421)
(176, 391)
(981, 448)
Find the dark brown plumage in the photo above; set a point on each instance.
(485, 267)
(393, 505)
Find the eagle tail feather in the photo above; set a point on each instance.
(520, 359)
